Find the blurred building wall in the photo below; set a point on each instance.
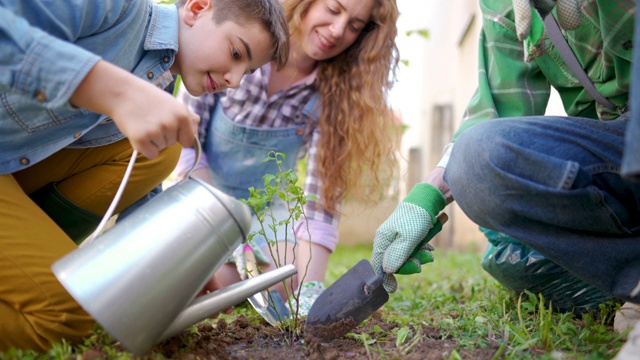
(436, 80)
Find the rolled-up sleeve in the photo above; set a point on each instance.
(38, 57)
(32, 62)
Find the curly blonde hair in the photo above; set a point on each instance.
(358, 157)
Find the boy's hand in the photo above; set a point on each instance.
(149, 117)
(402, 234)
(152, 119)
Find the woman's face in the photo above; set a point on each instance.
(331, 26)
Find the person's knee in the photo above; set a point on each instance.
(149, 173)
(71, 327)
(469, 172)
(477, 164)
(168, 159)
(38, 330)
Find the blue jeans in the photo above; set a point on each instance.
(554, 184)
(631, 157)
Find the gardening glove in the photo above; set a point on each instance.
(529, 18)
(405, 234)
(422, 253)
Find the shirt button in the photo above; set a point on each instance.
(166, 59)
(25, 161)
(150, 75)
(627, 45)
(77, 135)
(41, 96)
(300, 131)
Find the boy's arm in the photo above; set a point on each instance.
(38, 51)
(151, 118)
(55, 72)
(38, 65)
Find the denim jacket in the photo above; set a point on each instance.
(46, 50)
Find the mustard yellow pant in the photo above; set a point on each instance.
(35, 310)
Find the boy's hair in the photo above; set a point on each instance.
(267, 13)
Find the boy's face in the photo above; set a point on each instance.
(213, 57)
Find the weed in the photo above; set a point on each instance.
(402, 335)
(15, 354)
(365, 339)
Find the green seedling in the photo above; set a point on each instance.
(282, 185)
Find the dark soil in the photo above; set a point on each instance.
(242, 338)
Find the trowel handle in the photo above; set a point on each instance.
(372, 283)
(442, 217)
(250, 261)
(437, 226)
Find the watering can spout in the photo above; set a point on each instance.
(208, 305)
(139, 279)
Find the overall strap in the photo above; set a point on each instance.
(312, 109)
(558, 40)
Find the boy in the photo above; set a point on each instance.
(61, 162)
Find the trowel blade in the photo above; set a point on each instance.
(260, 305)
(346, 303)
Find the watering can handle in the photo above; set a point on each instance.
(125, 179)
(198, 148)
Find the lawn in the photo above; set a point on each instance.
(452, 310)
(462, 302)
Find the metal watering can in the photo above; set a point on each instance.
(139, 279)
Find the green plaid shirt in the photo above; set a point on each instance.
(509, 86)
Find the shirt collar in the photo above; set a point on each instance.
(163, 28)
(307, 80)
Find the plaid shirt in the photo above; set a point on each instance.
(249, 105)
(510, 87)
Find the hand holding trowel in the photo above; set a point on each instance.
(360, 292)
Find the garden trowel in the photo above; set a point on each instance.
(269, 304)
(346, 303)
(351, 299)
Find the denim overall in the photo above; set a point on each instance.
(235, 155)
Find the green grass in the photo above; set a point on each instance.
(457, 297)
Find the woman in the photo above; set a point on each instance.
(328, 102)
